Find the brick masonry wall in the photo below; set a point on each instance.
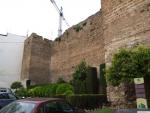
(74, 46)
(120, 23)
(126, 24)
(36, 60)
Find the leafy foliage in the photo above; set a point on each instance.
(85, 79)
(80, 71)
(92, 81)
(128, 64)
(61, 80)
(87, 101)
(16, 85)
(79, 78)
(78, 28)
(43, 90)
(104, 110)
(64, 89)
(22, 92)
(51, 90)
(102, 80)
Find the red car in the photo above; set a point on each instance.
(40, 105)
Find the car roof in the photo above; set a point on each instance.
(39, 100)
(5, 93)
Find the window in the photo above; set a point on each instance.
(51, 107)
(41, 109)
(65, 107)
(18, 107)
(11, 96)
(4, 96)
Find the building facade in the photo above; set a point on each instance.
(11, 53)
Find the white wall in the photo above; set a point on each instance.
(11, 52)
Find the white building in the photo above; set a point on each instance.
(11, 53)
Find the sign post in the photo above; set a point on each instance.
(140, 93)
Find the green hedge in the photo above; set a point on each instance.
(51, 90)
(87, 101)
(86, 81)
(92, 81)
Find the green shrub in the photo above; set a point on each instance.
(85, 79)
(79, 87)
(63, 88)
(16, 85)
(87, 101)
(60, 80)
(22, 92)
(77, 28)
(105, 110)
(128, 64)
(51, 90)
(48, 90)
(69, 92)
(92, 81)
(80, 71)
(102, 80)
(79, 77)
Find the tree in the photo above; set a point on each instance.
(85, 79)
(80, 71)
(16, 85)
(79, 78)
(128, 64)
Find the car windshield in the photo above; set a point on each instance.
(18, 107)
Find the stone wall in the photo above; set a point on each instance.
(36, 60)
(126, 23)
(82, 41)
(120, 23)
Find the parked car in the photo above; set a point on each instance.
(5, 90)
(40, 105)
(6, 98)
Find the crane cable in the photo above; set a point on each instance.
(60, 12)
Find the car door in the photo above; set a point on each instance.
(55, 107)
(64, 107)
(6, 98)
(48, 107)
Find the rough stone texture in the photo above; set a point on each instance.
(126, 23)
(36, 60)
(122, 96)
(120, 23)
(74, 46)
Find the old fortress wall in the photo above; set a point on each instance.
(82, 41)
(119, 23)
(126, 23)
(47, 61)
(36, 60)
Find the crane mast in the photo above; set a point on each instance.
(61, 17)
(60, 22)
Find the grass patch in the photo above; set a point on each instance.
(105, 110)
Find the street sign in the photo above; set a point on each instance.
(141, 103)
(140, 93)
(139, 81)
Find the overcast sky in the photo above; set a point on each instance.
(40, 16)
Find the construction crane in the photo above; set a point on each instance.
(61, 17)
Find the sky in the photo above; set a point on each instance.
(24, 17)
